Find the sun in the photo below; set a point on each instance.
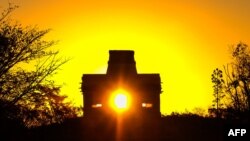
(120, 100)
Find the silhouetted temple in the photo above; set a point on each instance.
(144, 89)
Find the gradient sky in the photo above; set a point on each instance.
(182, 40)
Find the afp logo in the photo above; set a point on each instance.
(236, 133)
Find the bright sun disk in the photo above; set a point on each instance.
(120, 100)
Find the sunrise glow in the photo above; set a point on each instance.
(182, 41)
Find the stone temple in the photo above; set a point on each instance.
(143, 90)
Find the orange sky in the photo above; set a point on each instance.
(182, 40)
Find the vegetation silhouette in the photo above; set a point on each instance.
(233, 88)
(176, 127)
(26, 94)
(218, 94)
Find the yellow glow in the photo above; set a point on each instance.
(120, 100)
(183, 41)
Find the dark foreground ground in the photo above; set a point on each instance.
(106, 129)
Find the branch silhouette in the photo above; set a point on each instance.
(26, 94)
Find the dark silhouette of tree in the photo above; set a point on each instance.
(27, 94)
(49, 107)
(238, 77)
(217, 80)
(236, 82)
